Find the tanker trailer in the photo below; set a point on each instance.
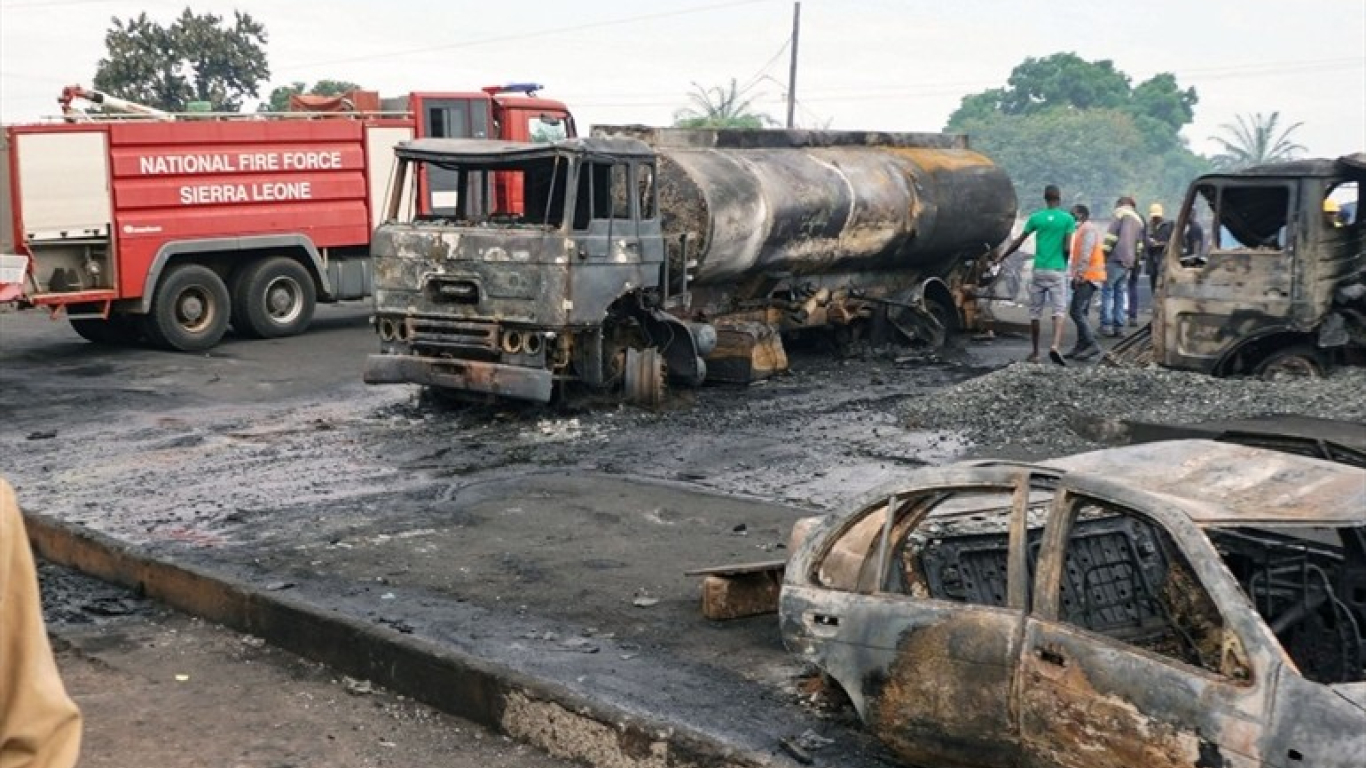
(855, 232)
(646, 253)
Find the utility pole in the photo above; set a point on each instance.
(792, 68)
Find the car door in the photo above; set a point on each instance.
(1140, 649)
(918, 616)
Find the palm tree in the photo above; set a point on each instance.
(1255, 140)
(720, 107)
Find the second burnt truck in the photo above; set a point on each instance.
(170, 228)
(642, 254)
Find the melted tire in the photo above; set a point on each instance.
(1298, 361)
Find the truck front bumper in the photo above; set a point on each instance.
(465, 375)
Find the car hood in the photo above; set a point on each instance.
(1353, 692)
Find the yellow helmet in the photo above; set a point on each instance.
(1330, 205)
(1155, 209)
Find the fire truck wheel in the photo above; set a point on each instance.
(190, 310)
(273, 298)
(118, 330)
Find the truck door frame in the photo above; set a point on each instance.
(1207, 307)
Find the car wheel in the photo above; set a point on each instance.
(190, 310)
(273, 298)
(1299, 361)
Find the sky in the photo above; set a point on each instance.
(894, 65)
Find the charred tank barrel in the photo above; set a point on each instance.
(821, 202)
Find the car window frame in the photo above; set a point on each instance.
(1261, 652)
(1014, 480)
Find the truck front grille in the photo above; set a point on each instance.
(436, 336)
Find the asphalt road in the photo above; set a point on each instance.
(511, 531)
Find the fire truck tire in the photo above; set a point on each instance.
(190, 310)
(273, 298)
(118, 330)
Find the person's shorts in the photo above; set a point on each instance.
(1048, 283)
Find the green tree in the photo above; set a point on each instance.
(1079, 124)
(1255, 140)
(279, 96)
(1062, 79)
(720, 107)
(195, 58)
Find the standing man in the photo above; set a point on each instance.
(1087, 270)
(1193, 240)
(1053, 227)
(1159, 234)
(1122, 242)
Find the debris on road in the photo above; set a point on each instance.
(1034, 408)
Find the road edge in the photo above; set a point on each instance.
(535, 711)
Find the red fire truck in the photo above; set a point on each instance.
(169, 228)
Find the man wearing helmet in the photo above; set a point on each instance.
(1155, 244)
(1332, 212)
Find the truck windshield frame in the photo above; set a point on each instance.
(604, 194)
(1255, 216)
(475, 200)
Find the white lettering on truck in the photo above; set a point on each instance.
(313, 161)
(209, 194)
(160, 165)
(168, 165)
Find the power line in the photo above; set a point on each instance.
(527, 35)
(56, 3)
(942, 89)
(754, 79)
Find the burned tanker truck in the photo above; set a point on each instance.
(640, 255)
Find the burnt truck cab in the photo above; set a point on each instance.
(1277, 283)
(478, 295)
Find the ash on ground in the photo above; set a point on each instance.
(1030, 411)
(70, 597)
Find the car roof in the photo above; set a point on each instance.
(1219, 483)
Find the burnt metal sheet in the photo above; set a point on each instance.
(729, 138)
(1330, 439)
(465, 375)
(492, 150)
(824, 210)
(1223, 483)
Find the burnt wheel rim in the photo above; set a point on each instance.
(1293, 366)
(644, 374)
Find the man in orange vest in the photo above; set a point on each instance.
(1086, 267)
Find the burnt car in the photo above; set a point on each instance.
(1178, 603)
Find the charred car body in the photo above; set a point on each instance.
(1208, 610)
(684, 256)
(1279, 285)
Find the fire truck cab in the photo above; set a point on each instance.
(171, 228)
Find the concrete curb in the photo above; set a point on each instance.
(538, 712)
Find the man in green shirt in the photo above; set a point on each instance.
(1052, 228)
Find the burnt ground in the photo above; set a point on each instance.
(158, 688)
(518, 532)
